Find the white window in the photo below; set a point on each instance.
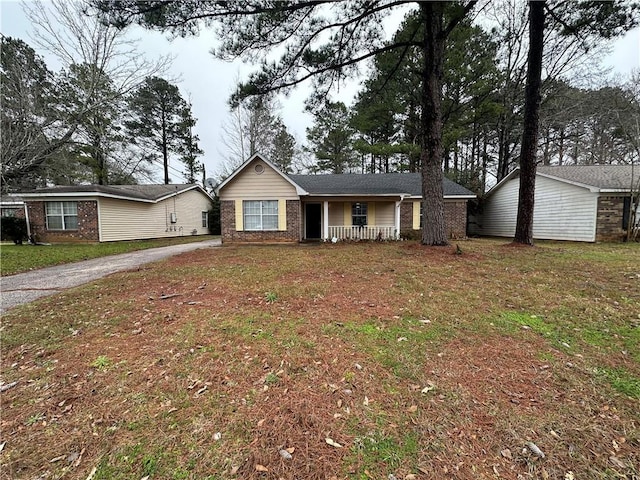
(359, 214)
(62, 215)
(205, 219)
(260, 214)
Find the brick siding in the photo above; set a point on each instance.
(406, 220)
(609, 219)
(230, 235)
(87, 224)
(455, 217)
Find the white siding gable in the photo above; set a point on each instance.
(251, 185)
(562, 211)
(500, 210)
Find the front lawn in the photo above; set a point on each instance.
(347, 361)
(22, 258)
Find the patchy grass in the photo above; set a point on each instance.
(410, 360)
(22, 258)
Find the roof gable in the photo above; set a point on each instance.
(241, 168)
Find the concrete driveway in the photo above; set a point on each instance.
(27, 287)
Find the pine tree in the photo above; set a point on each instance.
(160, 122)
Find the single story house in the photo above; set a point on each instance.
(586, 203)
(258, 202)
(106, 213)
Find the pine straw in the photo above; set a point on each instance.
(322, 361)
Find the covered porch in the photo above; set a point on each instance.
(351, 218)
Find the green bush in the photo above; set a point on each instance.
(14, 229)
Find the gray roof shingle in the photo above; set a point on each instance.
(372, 184)
(142, 192)
(600, 176)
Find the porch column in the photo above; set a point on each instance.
(325, 220)
(397, 220)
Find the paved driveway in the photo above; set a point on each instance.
(27, 287)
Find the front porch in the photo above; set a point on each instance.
(351, 219)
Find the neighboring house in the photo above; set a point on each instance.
(106, 213)
(11, 206)
(260, 203)
(586, 203)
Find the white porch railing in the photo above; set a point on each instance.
(367, 232)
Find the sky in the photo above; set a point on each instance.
(208, 82)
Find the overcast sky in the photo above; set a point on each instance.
(208, 82)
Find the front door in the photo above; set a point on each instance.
(313, 220)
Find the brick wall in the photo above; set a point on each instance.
(87, 224)
(455, 217)
(230, 235)
(406, 221)
(609, 219)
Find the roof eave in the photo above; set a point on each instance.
(28, 196)
(311, 194)
(614, 190)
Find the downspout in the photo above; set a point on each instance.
(26, 217)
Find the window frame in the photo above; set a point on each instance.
(63, 215)
(259, 214)
(205, 219)
(359, 210)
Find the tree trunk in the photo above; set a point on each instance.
(433, 225)
(503, 155)
(561, 148)
(485, 155)
(165, 153)
(524, 223)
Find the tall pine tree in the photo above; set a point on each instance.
(160, 121)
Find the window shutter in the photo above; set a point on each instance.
(347, 214)
(416, 215)
(371, 214)
(282, 215)
(239, 216)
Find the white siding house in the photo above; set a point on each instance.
(129, 220)
(577, 203)
(107, 213)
